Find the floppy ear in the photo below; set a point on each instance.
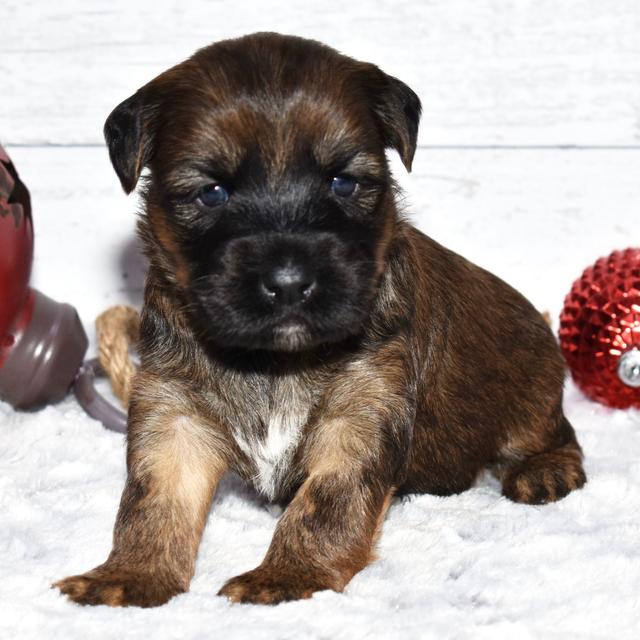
(129, 140)
(398, 110)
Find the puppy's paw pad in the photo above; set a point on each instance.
(269, 586)
(544, 478)
(116, 589)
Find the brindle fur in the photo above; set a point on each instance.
(449, 371)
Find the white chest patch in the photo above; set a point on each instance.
(272, 453)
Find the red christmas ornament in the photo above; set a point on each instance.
(42, 342)
(600, 330)
(16, 251)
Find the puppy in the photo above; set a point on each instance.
(298, 331)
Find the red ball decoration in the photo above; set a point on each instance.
(600, 330)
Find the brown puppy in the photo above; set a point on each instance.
(298, 331)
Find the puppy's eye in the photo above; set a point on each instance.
(213, 195)
(343, 186)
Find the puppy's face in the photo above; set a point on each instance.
(269, 201)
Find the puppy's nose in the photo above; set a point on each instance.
(288, 285)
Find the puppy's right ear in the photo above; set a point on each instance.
(129, 139)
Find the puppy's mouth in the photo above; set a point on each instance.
(292, 333)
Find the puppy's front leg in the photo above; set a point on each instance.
(327, 533)
(174, 463)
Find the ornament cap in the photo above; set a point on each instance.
(629, 368)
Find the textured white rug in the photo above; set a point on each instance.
(468, 566)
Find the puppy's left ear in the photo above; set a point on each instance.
(398, 110)
(128, 136)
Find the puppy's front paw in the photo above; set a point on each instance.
(269, 585)
(118, 588)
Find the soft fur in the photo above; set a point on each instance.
(403, 368)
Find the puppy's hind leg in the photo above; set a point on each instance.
(537, 474)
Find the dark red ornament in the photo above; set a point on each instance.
(42, 342)
(16, 252)
(600, 330)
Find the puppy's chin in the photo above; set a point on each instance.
(291, 335)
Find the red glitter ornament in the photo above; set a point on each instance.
(600, 330)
